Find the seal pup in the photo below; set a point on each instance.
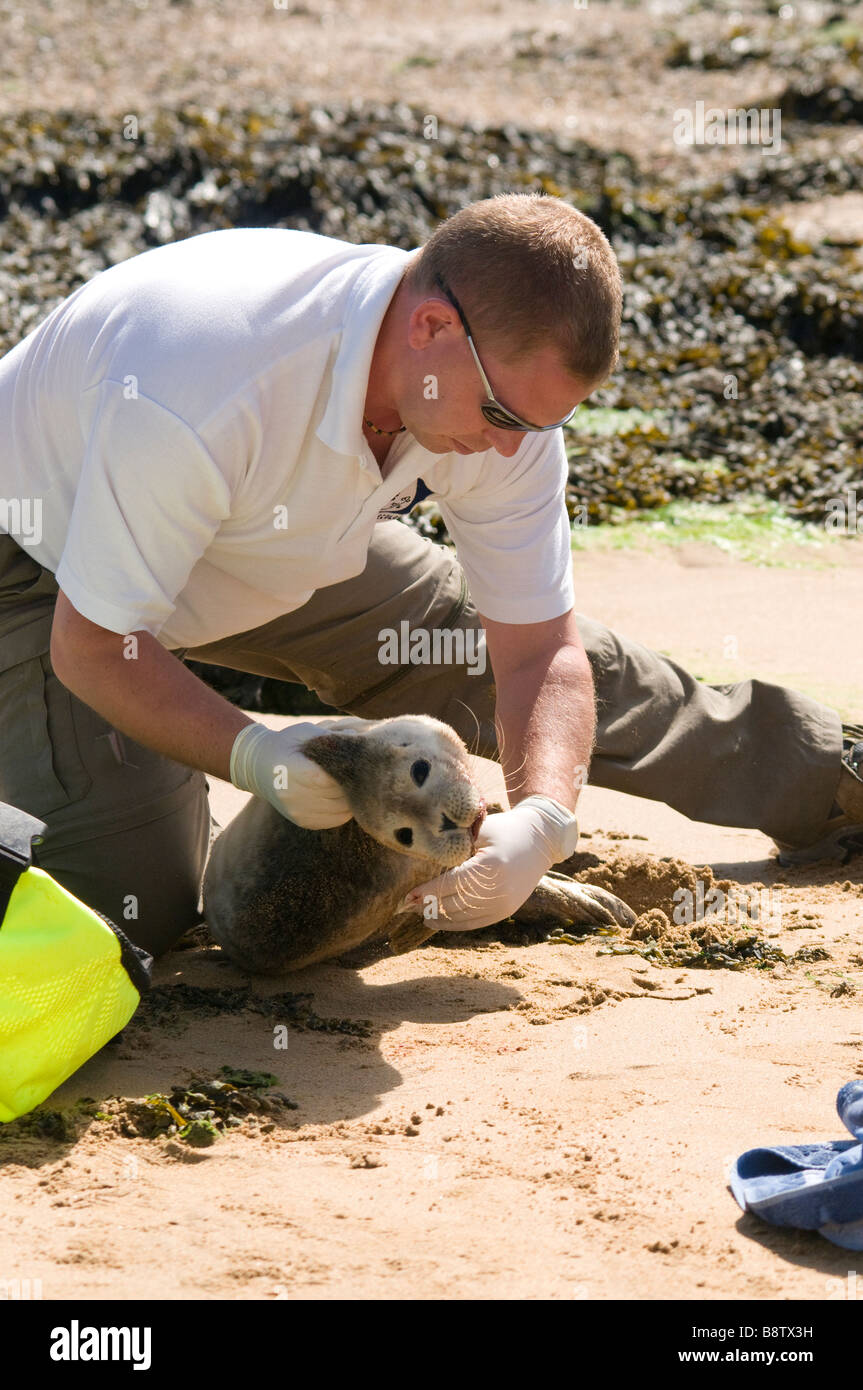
(278, 897)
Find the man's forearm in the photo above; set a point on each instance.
(149, 695)
(546, 717)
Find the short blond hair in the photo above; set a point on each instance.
(529, 270)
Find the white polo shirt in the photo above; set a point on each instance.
(191, 420)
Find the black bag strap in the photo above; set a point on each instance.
(18, 831)
(136, 962)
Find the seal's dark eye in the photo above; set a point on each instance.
(405, 836)
(420, 771)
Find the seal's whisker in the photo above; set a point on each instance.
(515, 787)
(501, 743)
(510, 776)
(471, 748)
(480, 877)
(479, 895)
(513, 770)
(478, 873)
(476, 899)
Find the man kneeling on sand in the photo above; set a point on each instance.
(210, 445)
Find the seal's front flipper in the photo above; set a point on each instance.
(559, 901)
(556, 901)
(410, 934)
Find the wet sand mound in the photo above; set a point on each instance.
(644, 882)
(686, 916)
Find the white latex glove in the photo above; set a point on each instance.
(513, 851)
(270, 763)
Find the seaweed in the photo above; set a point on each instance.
(172, 1008)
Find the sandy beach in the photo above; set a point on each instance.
(476, 1119)
(539, 1122)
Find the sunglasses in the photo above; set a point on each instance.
(494, 412)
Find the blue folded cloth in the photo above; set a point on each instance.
(816, 1187)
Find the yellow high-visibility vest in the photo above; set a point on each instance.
(70, 980)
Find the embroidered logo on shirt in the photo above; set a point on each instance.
(405, 501)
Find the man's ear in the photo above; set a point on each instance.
(427, 321)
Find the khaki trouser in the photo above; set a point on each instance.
(128, 826)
